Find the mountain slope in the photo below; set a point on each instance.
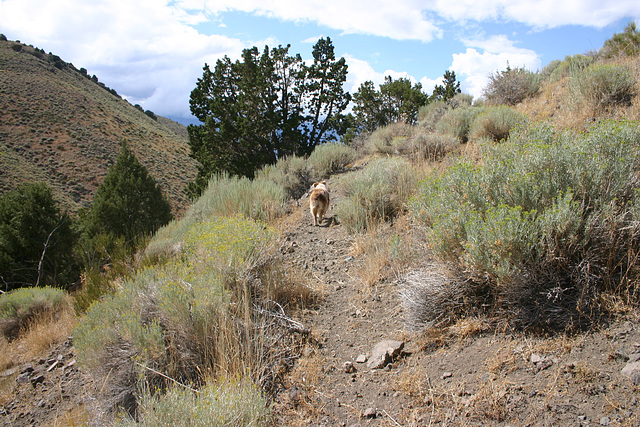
(59, 126)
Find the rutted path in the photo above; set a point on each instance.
(332, 384)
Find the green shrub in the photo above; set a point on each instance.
(547, 224)
(625, 43)
(495, 123)
(375, 194)
(232, 403)
(457, 122)
(203, 314)
(328, 159)
(571, 66)
(601, 87)
(20, 306)
(512, 86)
(386, 139)
(429, 115)
(36, 239)
(292, 173)
(427, 146)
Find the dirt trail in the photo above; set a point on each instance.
(350, 320)
(467, 374)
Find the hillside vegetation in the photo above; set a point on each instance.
(61, 127)
(492, 237)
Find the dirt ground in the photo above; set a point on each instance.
(466, 374)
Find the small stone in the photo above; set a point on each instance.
(369, 413)
(605, 421)
(632, 371)
(447, 375)
(362, 358)
(348, 367)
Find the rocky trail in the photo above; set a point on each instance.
(362, 368)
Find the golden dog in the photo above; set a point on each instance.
(319, 201)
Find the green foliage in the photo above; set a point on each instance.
(625, 43)
(199, 316)
(495, 123)
(20, 306)
(377, 193)
(601, 87)
(387, 139)
(571, 65)
(450, 89)
(265, 106)
(36, 240)
(458, 121)
(228, 403)
(226, 196)
(129, 203)
(292, 173)
(3, 38)
(547, 223)
(511, 86)
(396, 101)
(151, 114)
(330, 158)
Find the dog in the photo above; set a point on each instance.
(319, 201)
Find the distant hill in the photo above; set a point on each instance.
(60, 126)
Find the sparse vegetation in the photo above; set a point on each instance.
(511, 86)
(536, 233)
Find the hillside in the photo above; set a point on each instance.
(60, 127)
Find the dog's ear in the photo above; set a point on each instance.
(314, 185)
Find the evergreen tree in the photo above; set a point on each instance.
(265, 106)
(128, 203)
(36, 240)
(449, 90)
(396, 101)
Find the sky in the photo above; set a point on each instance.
(152, 51)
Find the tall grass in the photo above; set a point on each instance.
(230, 403)
(21, 306)
(599, 88)
(207, 313)
(496, 123)
(259, 199)
(546, 226)
(377, 193)
(293, 174)
(331, 158)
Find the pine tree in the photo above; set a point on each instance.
(129, 203)
(36, 240)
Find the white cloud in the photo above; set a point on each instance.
(399, 20)
(483, 57)
(540, 14)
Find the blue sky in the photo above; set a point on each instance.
(152, 51)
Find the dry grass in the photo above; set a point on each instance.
(40, 335)
(76, 417)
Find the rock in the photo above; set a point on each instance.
(632, 371)
(605, 421)
(348, 367)
(369, 413)
(383, 353)
(447, 375)
(362, 358)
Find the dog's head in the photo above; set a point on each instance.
(322, 185)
